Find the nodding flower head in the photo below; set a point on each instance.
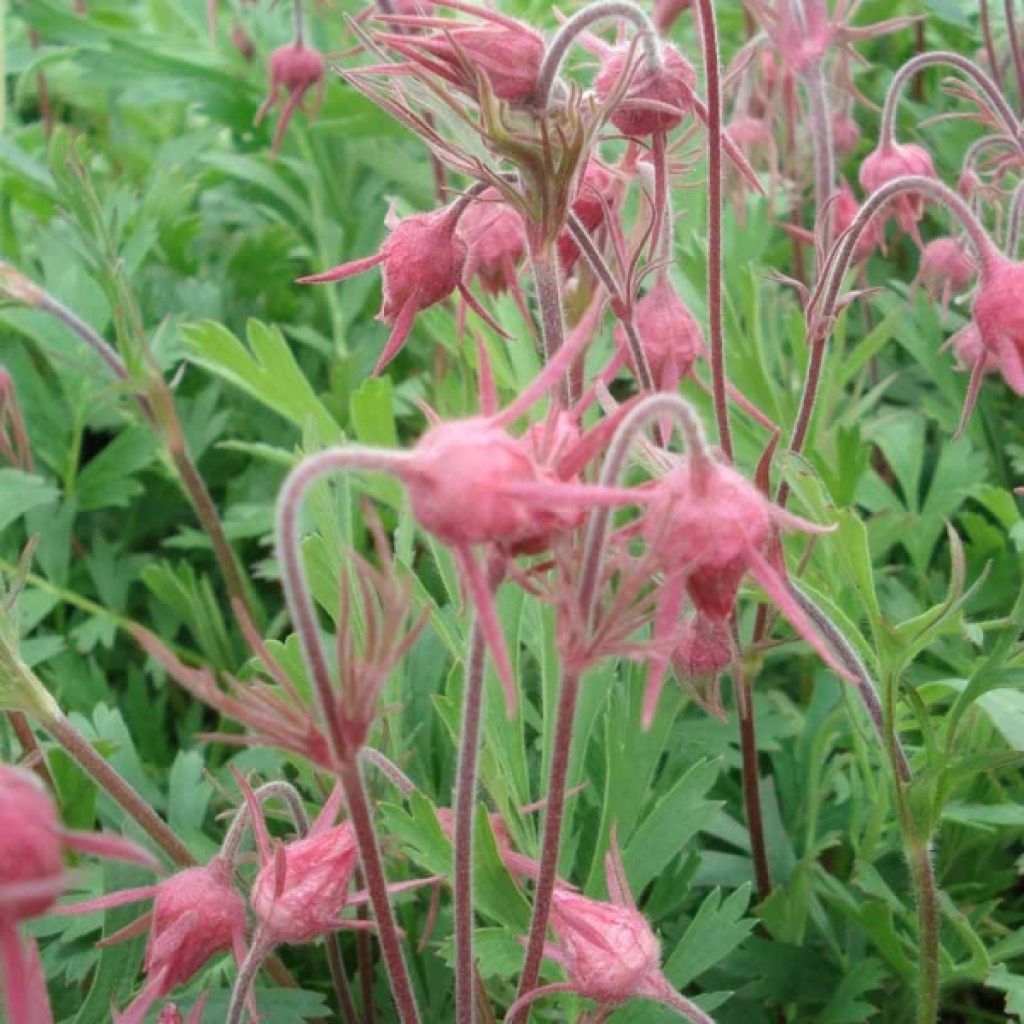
(590, 206)
(504, 51)
(893, 160)
(707, 527)
(422, 262)
(495, 241)
(704, 650)
(999, 314)
(845, 133)
(609, 952)
(656, 99)
(302, 889)
(462, 487)
(296, 69)
(671, 337)
(947, 267)
(196, 915)
(31, 864)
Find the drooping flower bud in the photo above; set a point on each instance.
(671, 337)
(31, 863)
(844, 210)
(590, 206)
(703, 652)
(422, 262)
(300, 892)
(999, 314)
(505, 52)
(296, 69)
(845, 133)
(947, 267)
(893, 160)
(657, 98)
(495, 241)
(609, 952)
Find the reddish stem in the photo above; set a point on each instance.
(1018, 59)
(709, 37)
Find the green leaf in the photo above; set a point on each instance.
(20, 493)
(716, 930)
(108, 480)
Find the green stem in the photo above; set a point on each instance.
(927, 897)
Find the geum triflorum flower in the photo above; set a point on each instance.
(422, 262)
(196, 914)
(608, 951)
(32, 847)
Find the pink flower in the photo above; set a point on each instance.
(607, 949)
(671, 337)
(590, 206)
(302, 886)
(296, 69)
(504, 52)
(657, 99)
(495, 241)
(999, 314)
(947, 266)
(708, 527)
(704, 649)
(845, 133)
(422, 262)
(893, 160)
(170, 1014)
(32, 843)
(196, 914)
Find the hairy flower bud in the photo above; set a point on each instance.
(671, 337)
(845, 134)
(31, 865)
(999, 314)
(300, 892)
(893, 160)
(947, 266)
(589, 206)
(422, 263)
(196, 915)
(844, 210)
(657, 99)
(609, 952)
(296, 69)
(495, 241)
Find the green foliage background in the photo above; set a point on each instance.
(155, 186)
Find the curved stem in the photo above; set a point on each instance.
(357, 802)
(999, 106)
(684, 1007)
(123, 793)
(465, 814)
(712, 71)
(268, 791)
(293, 570)
(247, 972)
(579, 22)
(297, 25)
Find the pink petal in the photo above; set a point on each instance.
(343, 270)
(24, 988)
(400, 331)
(973, 389)
(103, 844)
(471, 301)
(775, 587)
(329, 812)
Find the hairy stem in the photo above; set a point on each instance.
(684, 1007)
(712, 71)
(568, 695)
(258, 950)
(360, 815)
(1013, 227)
(927, 899)
(1000, 108)
(122, 792)
(339, 979)
(465, 814)
(548, 282)
(1018, 59)
(751, 780)
(990, 48)
(824, 154)
(579, 22)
